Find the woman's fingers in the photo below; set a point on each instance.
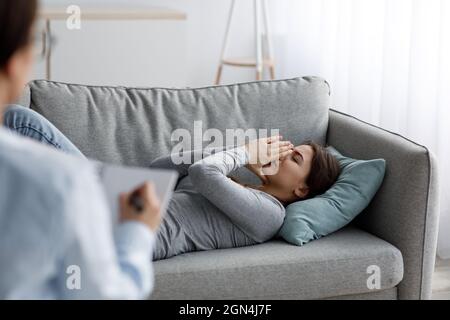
(280, 150)
(267, 150)
(284, 154)
(279, 144)
(273, 139)
(284, 149)
(286, 144)
(281, 153)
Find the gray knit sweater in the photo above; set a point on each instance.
(210, 211)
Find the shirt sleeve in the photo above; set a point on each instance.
(182, 162)
(103, 261)
(258, 216)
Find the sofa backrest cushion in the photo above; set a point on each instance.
(132, 126)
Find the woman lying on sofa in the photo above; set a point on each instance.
(208, 209)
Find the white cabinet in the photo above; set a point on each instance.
(121, 49)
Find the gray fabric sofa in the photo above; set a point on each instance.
(397, 232)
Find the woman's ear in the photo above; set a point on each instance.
(301, 192)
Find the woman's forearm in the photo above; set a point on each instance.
(257, 216)
(182, 162)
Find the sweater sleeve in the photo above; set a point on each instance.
(181, 163)
(256, 214)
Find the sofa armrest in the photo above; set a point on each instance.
(405, 210)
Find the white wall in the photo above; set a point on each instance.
(205, 30)
(124, 53)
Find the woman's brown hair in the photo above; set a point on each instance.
(324, 172)
(16, 21)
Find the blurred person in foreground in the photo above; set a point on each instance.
(57, 237)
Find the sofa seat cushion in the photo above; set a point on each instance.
(332, 266)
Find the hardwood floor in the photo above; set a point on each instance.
(441, 280)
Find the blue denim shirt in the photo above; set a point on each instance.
(57, 239)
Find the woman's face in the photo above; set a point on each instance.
(19, 69)
(15, 73)
(293, 171)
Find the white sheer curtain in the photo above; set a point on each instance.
(388, 63)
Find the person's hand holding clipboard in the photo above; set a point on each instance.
(141, 205)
